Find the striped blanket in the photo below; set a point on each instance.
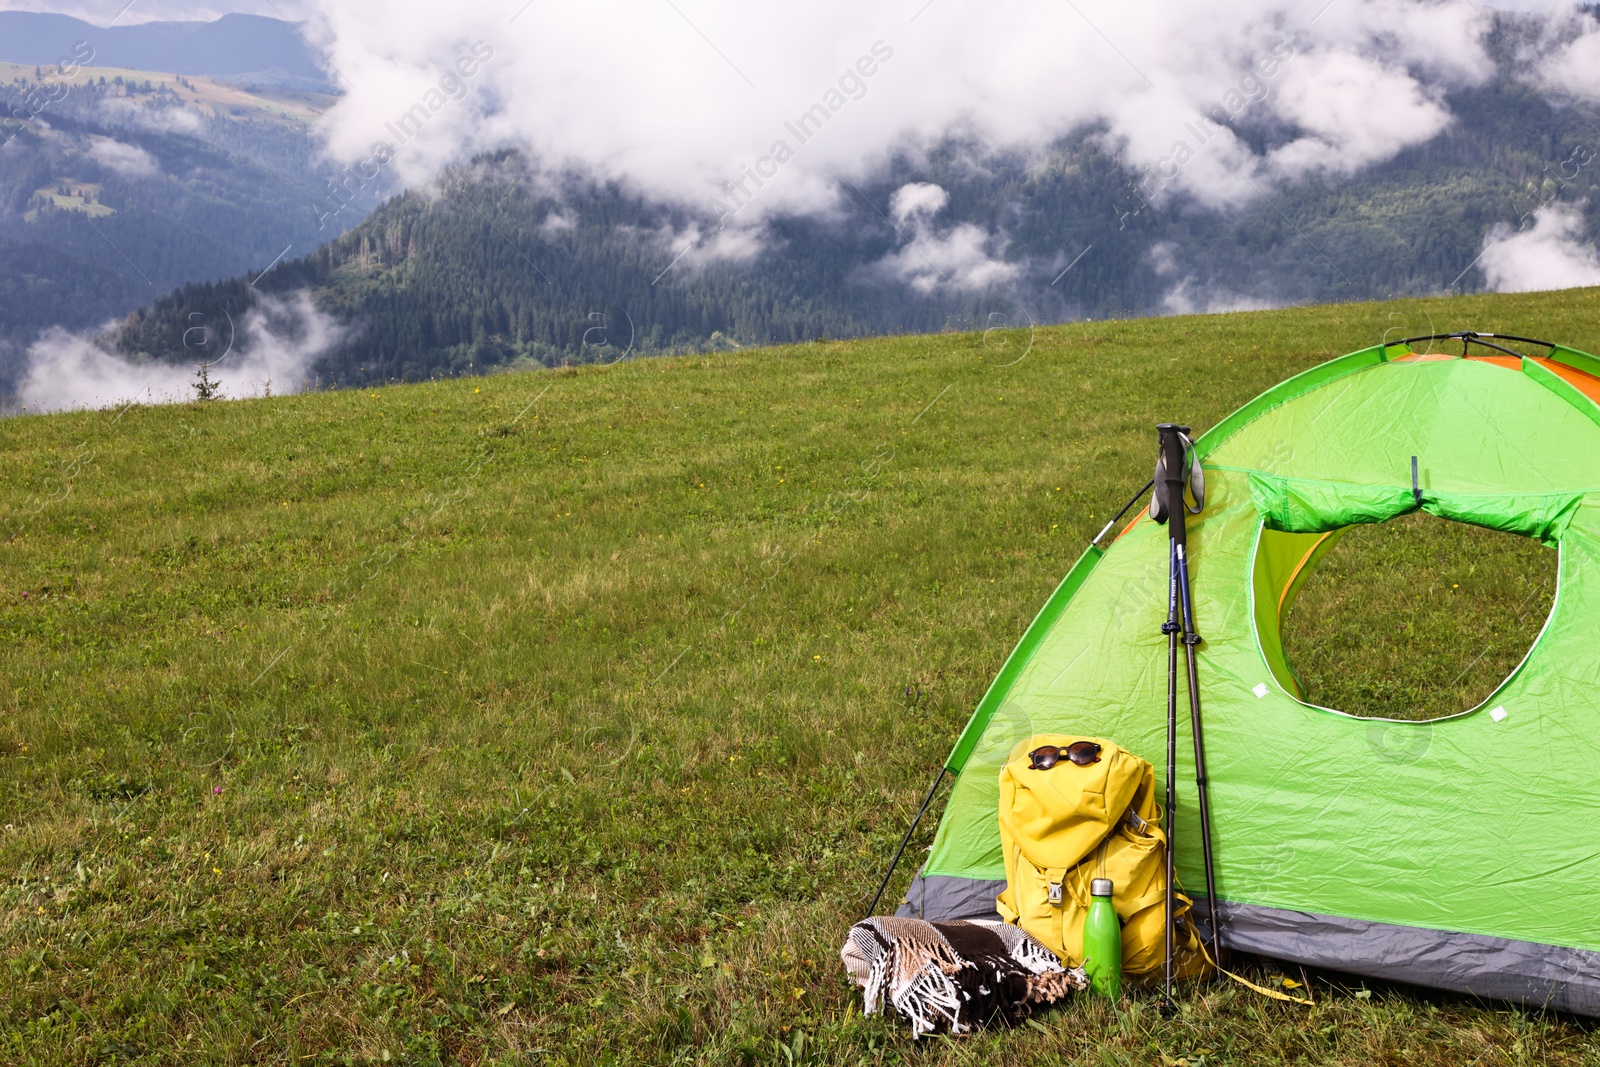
(953, 975)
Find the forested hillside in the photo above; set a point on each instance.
(133, 184)
(138, 185)
(493, 267)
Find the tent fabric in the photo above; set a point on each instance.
(1466, 827)
(1536, 975)
(1296, 505)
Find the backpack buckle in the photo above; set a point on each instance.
(1055, 893)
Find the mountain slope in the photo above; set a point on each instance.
(500, 267)
(132, 185)
(238, 47)
(580, 711)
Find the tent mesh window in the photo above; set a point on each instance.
(1416, 618)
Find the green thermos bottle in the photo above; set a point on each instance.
(1102, 942)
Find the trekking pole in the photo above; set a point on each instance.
(1170, 628)
(1201, 780)
(1175, 451)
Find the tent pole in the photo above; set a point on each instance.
(906, 841)
(1118, 516)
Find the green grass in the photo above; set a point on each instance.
(1417, 618)
(568, 718)
(264, 103)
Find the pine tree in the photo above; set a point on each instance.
(205, 386)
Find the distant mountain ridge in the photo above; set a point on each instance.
(241, 48)
(129, 186)
(507, 261)
(501, 269)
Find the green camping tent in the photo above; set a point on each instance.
(1459, 853)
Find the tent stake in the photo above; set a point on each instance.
(905, 841)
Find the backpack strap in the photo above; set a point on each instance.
(1056, 880)
(1195, 942)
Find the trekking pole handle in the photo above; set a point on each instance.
(1173, 476)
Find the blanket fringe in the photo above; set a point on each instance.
(953, 976)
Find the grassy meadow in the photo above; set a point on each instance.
(570, 717)
(209, 95)
(1473, 599)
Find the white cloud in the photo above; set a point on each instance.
(696, 247)
(168, 119)
(679, 101)
(280, 338)
(1353, 113)
(1550, 255)
(1570, 64)
(128, 160)
(733, 244)
(1164, 258)
(917, 200)
(1190, 297)
(1576, 67)
(958, 258)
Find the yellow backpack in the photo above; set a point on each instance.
(1062, 827)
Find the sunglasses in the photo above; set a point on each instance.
(1081, 753)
